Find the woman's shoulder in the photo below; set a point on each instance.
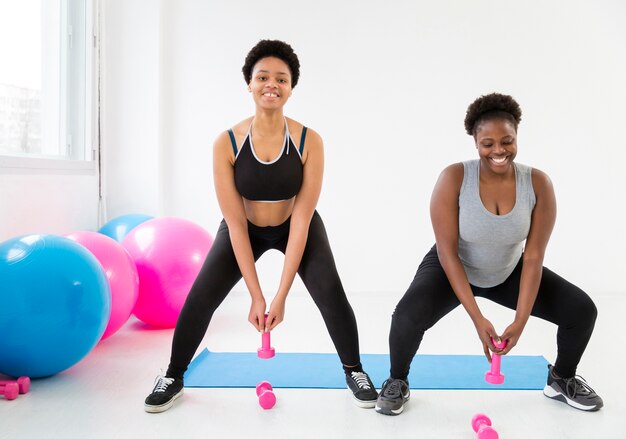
(296, 128)
(241, 128)
(312, 139)
(540, 179)
(451, 178)
(239, 131)
(454, 172)
(537, 175)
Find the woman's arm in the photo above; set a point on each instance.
(303, 210)
(444, 214)
(231, 204)
(541, 225)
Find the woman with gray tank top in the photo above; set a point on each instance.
(492, 219)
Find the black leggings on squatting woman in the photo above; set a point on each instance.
(220, 273)
(430, 297)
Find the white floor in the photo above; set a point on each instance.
(102, 396)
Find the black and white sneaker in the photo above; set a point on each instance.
(393, 395)
(165, 391)
(362, 389)
(573, 391)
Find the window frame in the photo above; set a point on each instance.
(10, 163)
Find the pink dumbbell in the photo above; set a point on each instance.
(266, 350)
(494, 376)
(23, 384)
(264, 391)
(482, 425)
(9, 390)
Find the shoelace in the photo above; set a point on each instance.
(361, 380)
(162, 383)
(577, 384)
(392, 388)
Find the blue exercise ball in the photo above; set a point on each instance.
(54, 304)
(118, 227)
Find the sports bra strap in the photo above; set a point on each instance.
(232, 140)
(302, 138)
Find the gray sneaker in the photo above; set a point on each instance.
(163, 395)
(393, 395)
(362, 389)
(573, 391)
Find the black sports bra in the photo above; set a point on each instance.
(278, 180)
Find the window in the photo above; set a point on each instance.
(47, 79)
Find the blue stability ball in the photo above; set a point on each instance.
(118, 227)
(54, 304)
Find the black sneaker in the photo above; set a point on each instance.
(393, 395)
(362, 389)
(165, 391)
(573, 391)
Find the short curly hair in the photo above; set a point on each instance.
(274, 48)
(489, 107)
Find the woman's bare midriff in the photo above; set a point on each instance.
(264, 214)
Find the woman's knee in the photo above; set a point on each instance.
(580, 312)
(412, 316)
(334, 305)
(586, 310)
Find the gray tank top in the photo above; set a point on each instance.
(490, 245)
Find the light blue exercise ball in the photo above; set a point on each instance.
(54, 304)
(118, 227)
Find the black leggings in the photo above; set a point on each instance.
(430, 297)
(220, 273)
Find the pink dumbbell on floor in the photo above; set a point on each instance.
(9, 390)
(482, 426)
(493, 376)
(266, 350)
(23, 384)
(265, 392)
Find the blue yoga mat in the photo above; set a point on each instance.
(323, 371)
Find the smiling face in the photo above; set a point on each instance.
(496, 142)
(270, 84)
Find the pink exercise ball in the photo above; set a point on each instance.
(120, 271)
(168, 253)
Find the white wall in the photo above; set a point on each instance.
(35, 201)
(386, 84)
(130, 127)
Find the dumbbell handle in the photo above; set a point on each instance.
(265, 341)
(266, 350)
(496, 361)
(494, 376)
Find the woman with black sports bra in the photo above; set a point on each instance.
(267, 187)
